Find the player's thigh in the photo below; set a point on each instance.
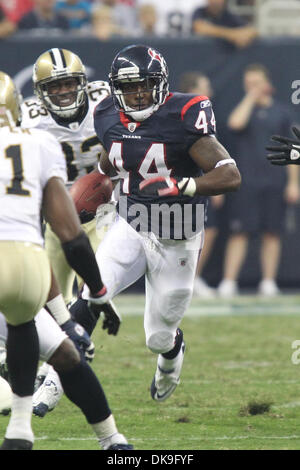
(120, 257)
(169, 289)
(25, 279)
(50, 334)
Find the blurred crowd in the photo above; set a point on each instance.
(105, 19)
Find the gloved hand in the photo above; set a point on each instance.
(112, 318)
(79, 337)
(101, 303)
(286, 154)
(168, 186)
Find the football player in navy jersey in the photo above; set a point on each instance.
(162, 148)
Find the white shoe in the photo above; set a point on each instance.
(41, 375)
(227, 288)
(201, 289)
(46, 397)
(268, 288)
(166, 379)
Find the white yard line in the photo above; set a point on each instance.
(133, 305)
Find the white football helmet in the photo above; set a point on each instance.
(59, 64)
(10, 102)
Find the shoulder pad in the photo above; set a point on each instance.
(97, 90)
(196, 113)
(32, 113)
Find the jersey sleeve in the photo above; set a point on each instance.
(32, 114)
(198, 118)
(97, 91)
(53, 162)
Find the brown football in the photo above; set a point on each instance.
(91, 190)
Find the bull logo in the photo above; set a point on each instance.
(156, 56)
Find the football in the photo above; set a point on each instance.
(5, 396)
(89, 192)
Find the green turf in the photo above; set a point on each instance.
(238, 356)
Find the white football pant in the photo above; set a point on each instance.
(169, 267)
(50, 334)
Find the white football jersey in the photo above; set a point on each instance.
(28, 159)
(79, 141)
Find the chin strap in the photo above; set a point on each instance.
(143, 114)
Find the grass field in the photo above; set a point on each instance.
(238, 352)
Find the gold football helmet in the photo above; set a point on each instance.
(58, 67)
(10, 102)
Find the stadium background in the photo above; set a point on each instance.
(224, 66)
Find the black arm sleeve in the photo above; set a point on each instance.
(81, 258)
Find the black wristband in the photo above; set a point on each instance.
(81, 258)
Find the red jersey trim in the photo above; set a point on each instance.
(125, 120)
(190, 103)
(168, 97)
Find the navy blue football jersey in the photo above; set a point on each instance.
(158, 146)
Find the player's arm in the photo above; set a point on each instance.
(220, 172)
(57, 308)
(107, 168)
(60, 212)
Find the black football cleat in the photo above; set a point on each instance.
(121, 447)
(16, 444)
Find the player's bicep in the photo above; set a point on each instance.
(207, 152)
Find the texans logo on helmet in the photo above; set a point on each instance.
(156, 56)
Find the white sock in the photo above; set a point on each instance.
(168, 364)
(19, 426)
(107, 433)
